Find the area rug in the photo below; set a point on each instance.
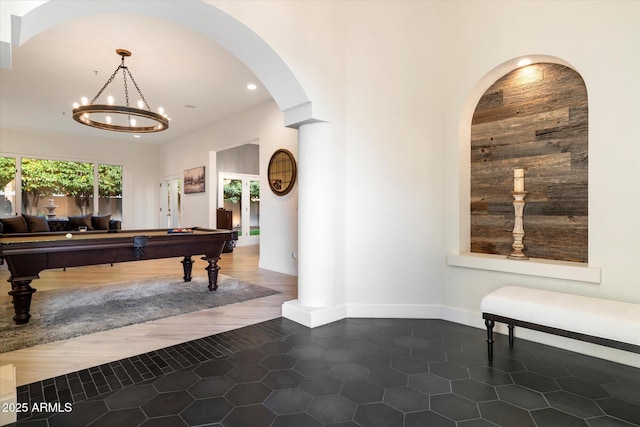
(61, 314)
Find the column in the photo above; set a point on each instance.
(320, 204)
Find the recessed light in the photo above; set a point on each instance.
(252, 86)
(136, 136)
(524, 62)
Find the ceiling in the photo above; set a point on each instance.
(196, 81)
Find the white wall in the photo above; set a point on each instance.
(139, 181)
(394, 151)
(409, 71)
(278, 216)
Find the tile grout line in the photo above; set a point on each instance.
(44, 391)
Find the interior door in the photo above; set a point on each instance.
(240, 194)
(171, 202)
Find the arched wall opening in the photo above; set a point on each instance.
(464, 138)
(315, 137)
(533, 121)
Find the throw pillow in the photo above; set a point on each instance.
(14, 224)
(36, 224)
(81, 221)
(100, 222)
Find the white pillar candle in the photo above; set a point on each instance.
(518, 180)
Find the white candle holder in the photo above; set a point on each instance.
(518, 229)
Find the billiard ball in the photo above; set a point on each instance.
(68, 235)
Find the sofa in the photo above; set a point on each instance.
(38, 224)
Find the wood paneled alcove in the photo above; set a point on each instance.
(535, 118)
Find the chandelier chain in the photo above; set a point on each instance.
(126, 88)
(138, 89)
(105, 85)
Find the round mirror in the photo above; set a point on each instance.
(282, 172)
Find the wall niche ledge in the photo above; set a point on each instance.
(577, 271)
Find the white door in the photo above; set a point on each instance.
(171, 202)
(240, 194)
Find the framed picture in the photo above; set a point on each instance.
(194, 180)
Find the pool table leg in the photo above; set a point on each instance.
(187, 265)
(21, 292)
(212, 270)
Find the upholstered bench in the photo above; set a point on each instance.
(610, 323)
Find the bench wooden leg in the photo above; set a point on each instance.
(489, 324)
(510, 336)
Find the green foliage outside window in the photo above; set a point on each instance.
(254, 191)
(7, 171)
(110, 182)
(41, 178)
(232, 190)
(76, 180)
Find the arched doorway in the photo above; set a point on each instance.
(315, 139)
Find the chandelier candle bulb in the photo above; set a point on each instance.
(518, 180)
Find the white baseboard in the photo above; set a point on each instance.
(464, 317)
(284, 269)
(313, 317)
(392, 311)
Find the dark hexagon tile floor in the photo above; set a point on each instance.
(351, 373)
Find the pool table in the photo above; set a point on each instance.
(27, 255)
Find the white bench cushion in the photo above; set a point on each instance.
(614, 320)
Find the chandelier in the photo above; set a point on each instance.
(120, 118)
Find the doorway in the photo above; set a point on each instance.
(240, 194)
(171, 202)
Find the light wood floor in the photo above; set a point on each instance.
(53, 359)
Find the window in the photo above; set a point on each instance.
(7, 186)
(240, 194)
(110, 190)
(68, 184)
(59, 188)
